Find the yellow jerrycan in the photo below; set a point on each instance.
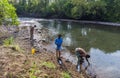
(33, 50)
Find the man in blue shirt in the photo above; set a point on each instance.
(58, 42)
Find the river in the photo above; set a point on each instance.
(102, 42)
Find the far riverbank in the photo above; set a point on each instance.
(80, 21)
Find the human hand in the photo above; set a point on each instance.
(88, 64)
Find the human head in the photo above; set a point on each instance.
(87, 56)
(59, 35)
(78, 49)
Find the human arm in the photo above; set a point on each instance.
(85, 55)
(87, 60)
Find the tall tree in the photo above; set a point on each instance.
(7, 13)
(100, 10)
(117, 10)
(79, 8)
(96, 10)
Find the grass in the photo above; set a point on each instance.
(65, 75)
(32, 71)
(49, 65)
(8, 41)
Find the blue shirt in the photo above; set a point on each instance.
(58, 41)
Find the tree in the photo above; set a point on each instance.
(96, 10)
(113, 10)
(7, 13)
(117, 10)
(67, 7)
(100, 10)
(79, 8)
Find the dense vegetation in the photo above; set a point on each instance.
(7, 13)
(102, 10)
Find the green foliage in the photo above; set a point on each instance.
(79, 8)
(65, 75)
(8, 41)
(101, 10)
(32, 71)
(68, 8)
(7, 13)
(49, 65)
(96, 10)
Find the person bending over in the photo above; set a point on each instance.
(81, 55)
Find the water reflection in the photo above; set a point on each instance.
(105, 64)
(69, 26)
(67, 40)
(83, 32)
(87, 35)
(58, 26)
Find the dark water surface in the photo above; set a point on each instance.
(102, 43)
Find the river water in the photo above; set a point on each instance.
(100, 41)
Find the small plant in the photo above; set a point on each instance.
(65, 75)
(32, 71)
(49, 65)
(8, 41)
